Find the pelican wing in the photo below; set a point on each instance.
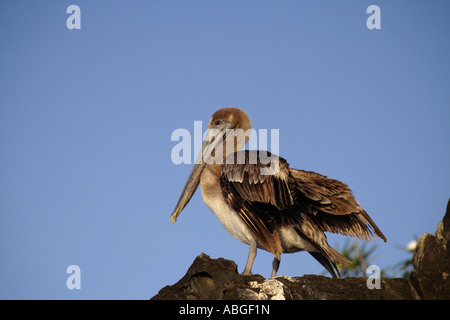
(249, 178)
(257, 197)
(332, 205)
(307, 200)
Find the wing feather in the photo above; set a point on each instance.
(246, 178)
(257, 198)
(332, 204)
(294, 197)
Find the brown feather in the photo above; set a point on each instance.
(333, 205)
(251, 185)
(263, 226)
(311, 202)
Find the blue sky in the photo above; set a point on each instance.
(86, 118)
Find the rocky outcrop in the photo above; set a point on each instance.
(218, 279)
(431, 275)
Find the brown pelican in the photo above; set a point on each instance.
(282, 211)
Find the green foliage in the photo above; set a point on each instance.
(403, 268)
(361, 255)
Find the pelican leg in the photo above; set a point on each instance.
(250, 259)
(275, 265)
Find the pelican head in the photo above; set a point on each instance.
(226, 125)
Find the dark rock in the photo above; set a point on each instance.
(431, 261)
(206, 279)
(218, 279)
(315, 287)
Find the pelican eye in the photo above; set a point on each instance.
(216, 123)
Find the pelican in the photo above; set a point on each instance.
(280, 210)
